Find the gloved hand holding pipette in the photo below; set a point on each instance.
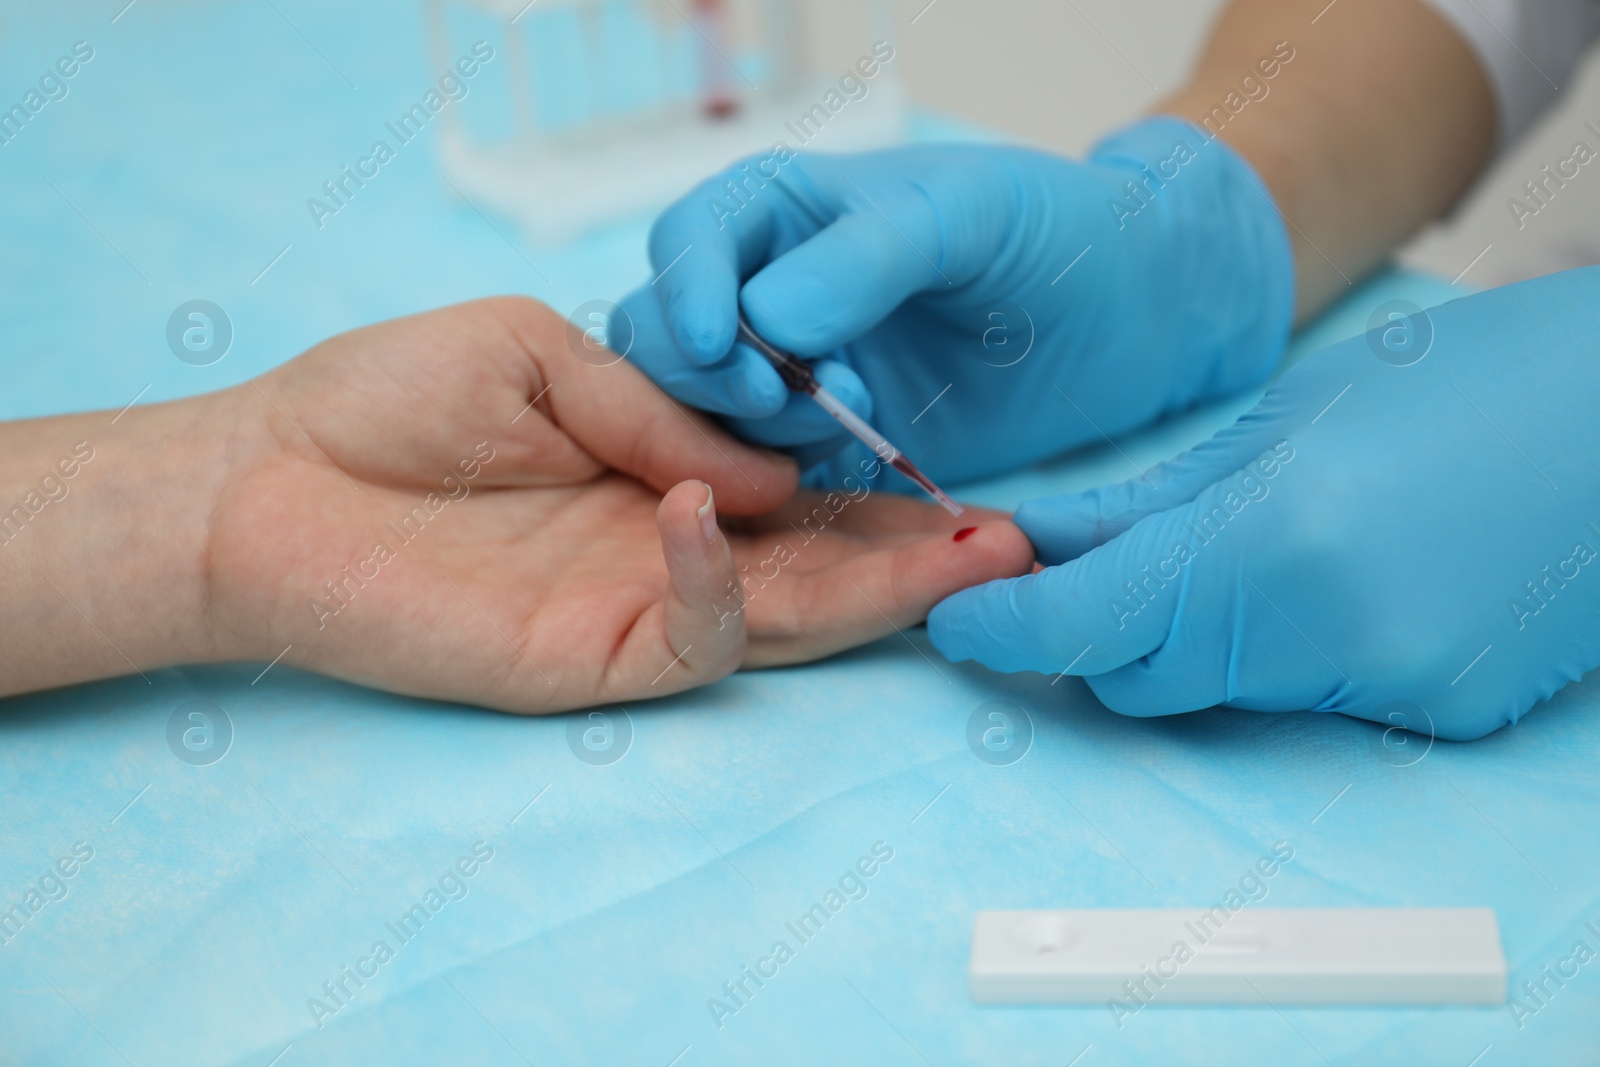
(1400, 539)
(982, 307)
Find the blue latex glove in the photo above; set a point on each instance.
(1411, 544)
(939, 276)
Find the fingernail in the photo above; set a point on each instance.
(964, 533)
(708, 517)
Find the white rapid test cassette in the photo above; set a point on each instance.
(1267, 955)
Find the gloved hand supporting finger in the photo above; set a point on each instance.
(1065, 527)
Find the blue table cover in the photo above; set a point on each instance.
(535, 907)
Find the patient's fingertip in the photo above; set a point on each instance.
(996, 548)
(685, 514)
(707, 513)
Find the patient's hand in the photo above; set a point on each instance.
(454, 505)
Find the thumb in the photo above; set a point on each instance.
(930, 218)
(900, 222)
(704, 608)
(696, 634)
(1065, 527)
(835, 287)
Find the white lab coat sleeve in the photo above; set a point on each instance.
(1530, 48)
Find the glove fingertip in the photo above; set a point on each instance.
(760, 393)
(703, 338)
(945, 629)
(968, 625)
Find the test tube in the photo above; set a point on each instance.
(718, 99)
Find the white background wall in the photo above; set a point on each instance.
(1061, 72)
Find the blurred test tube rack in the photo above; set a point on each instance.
(595, 110)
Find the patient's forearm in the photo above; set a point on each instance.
(1380, 121)
(102, 541)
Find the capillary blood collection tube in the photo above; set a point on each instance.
(718, 99)
(798, 375)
